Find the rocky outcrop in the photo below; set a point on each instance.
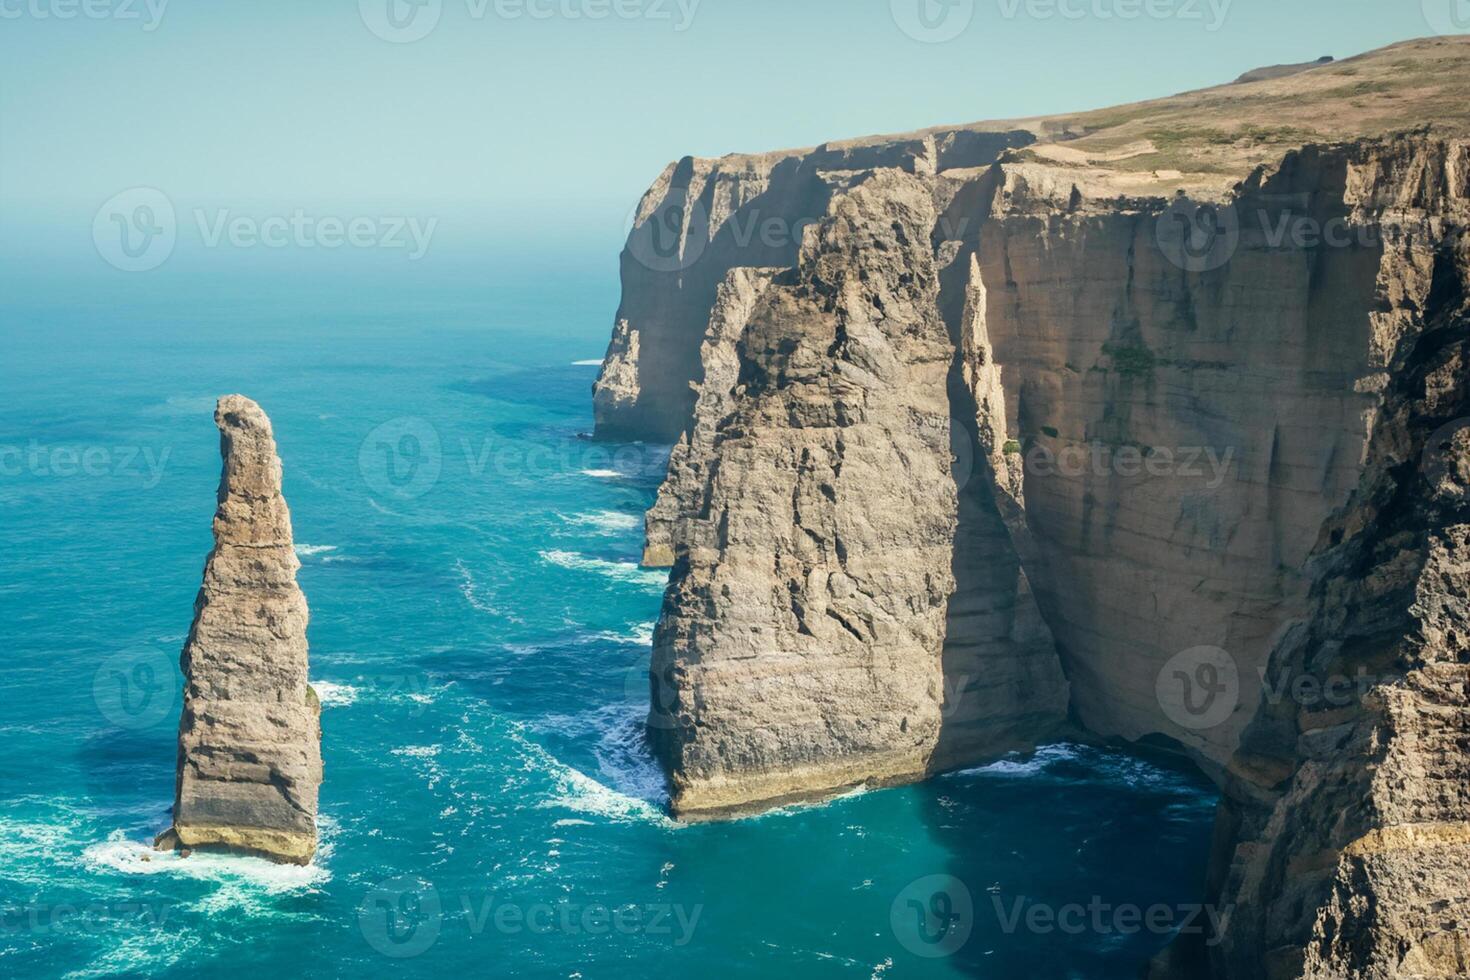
(807, 601)
(1184, 368)
(1282, 71)
(682, 495)
(1352, 858)
(249, 763)
(701, 219)
(1348, 802)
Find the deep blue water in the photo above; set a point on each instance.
(479, 636)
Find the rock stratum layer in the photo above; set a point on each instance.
(1146, 422)
(249, 764)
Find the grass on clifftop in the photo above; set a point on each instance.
(1231, 129)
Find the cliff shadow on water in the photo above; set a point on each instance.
(1073, 861)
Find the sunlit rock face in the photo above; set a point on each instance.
(249, 765)
(1056, 436)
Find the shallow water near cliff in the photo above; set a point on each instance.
(480, 631)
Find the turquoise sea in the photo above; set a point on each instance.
(480, 632)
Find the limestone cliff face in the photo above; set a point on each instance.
(1352, 858)
(805, 618)
(1348, 804)
(249, 764)
(1069, 434)
(702, 218)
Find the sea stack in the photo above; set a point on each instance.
(249, 763)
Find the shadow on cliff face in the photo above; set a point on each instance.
(1003, 683)
(672, 268)
(1074, 862)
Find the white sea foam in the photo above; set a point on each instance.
(604, 521)
(640, 634)
(792, 809)
(419, 751)
(26, 849)
(185, 405)
(593, 363)
(470, 589)
(580, 793)
(243, 879)
(1093, 765)
(312, 550)
(623, 756)
(604, 474)
(1018, 765)
(622, 571)
(335, 695)
(142, 955)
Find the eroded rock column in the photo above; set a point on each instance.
(249, 764)
(800, 647)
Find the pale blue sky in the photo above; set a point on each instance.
(276, 104)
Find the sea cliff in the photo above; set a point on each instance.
(1138, 424)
